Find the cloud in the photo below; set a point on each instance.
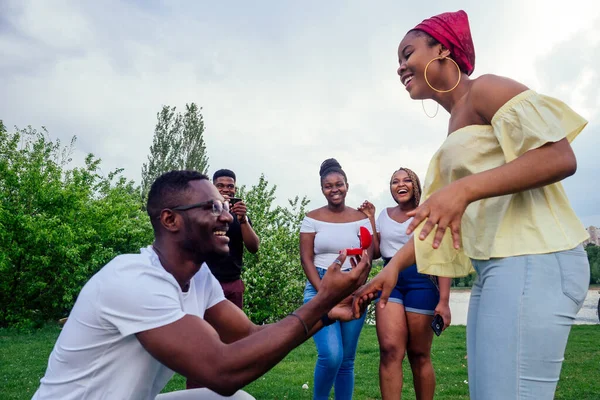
(568, 71)
(283, 86)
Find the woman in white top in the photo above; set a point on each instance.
(404, 326)
(323, 234)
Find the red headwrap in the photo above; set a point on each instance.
(452, 30)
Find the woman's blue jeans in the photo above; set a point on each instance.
(336, 348)
(520, 315)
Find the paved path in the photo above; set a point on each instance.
(459, 305)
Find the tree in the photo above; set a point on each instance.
(465, 281)
(58, 226)
(178, 143)
(274, 277)
(193, 150)
(593, 253)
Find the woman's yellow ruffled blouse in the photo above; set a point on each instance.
(531, 222)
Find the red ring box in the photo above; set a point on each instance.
(365, 242)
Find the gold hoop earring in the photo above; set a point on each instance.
(436, 109)
(427, 80)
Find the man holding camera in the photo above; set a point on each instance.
(228, 270)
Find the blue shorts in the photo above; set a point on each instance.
(417, 292)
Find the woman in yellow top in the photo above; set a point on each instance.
(494, 202)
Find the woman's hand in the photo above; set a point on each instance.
(443, 208)
(443, 309)
(367, 208)
(384, 282)
(343, 310)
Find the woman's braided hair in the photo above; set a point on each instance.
(416, 184)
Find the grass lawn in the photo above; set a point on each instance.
(23, 358)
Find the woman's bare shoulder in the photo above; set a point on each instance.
(490, 92)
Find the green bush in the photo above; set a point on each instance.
(376, 268)
(593, 253)
(58, 226)
(273, 277)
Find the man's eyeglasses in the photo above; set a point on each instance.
(229, 186)
(217, 206)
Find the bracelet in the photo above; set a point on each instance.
(327, 321)
(301, 320)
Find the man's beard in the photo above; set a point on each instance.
(191, 247)
(215, 257)
(198, 255)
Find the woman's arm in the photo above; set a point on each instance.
(443, 306)
(445, 207)
(376, 240)
(385, 281)
(307, 258)
(368, 209)
(529, 171)
(539, 167)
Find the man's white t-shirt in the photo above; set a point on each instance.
(97, 355)
(393, 234)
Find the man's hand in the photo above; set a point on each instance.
(240, 210)
(343, 311)
(337, 285)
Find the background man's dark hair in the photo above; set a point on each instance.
(167, 191)
(224, 172)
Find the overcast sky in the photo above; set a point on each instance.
(283, 85)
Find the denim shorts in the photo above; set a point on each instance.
(417, 292)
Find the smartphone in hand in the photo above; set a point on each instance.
(233, 200)
(437, 324)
